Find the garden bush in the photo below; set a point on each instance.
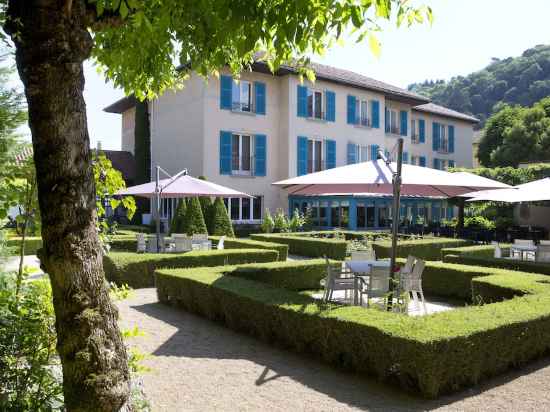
(137, 270)
(126, 243)
(297, 275)
(32, 244)
(434, 354)
(511, 264)
(194, 220)
(220, 224)
(178, 220)
(234, 243)
(426, 248)
(474, 250)
(304, 246)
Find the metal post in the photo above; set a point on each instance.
(157, 199)
(396, 182)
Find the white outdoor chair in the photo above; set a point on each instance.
(498, 251)
(152, 244)
(543, 253)
(412, 284)
(408, 266)
(141, 243)
(544, 242)
(378, 285)
(335, 281)
(522, 242)
(182, 243)
(220, 243)
(363, 255)
(199, 237)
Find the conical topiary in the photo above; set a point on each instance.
(176, 225)
(206, 207)
(194, 221)
(221, 224)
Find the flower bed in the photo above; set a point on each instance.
(432, 354)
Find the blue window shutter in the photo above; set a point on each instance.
(226, 87)
(421, 131)
(259, 89)
(351, 110)
(437, 164)
(225, 153)
(451, 139)
(330, 154)
(260, 155)
(387, 120)
(352, 153)
(302, 101)
(422, 161)
(331, 106)
(374, 152)
(405, 157)
(403, 115)
(435, 136)
(302, 155)
(375, 114)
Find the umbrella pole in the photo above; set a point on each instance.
(157, 206)
(396, 182)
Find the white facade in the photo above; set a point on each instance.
(186, 125)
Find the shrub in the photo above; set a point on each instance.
(178, 221)
(233, 243)
(511, 264)
(137, 270)
(296, 222)
(268, 224)
(30, 372)
(220, 222)
(280, 222)
(299, 275)
(432, 354)
(32, 244)
(194, 220)
(303, 246)
(427, 248)
(245, 229)
(123, 243)
(474, 250)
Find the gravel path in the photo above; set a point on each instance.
(198, 365)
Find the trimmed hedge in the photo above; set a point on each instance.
(137, 270)
(427, 248)
(235, 243)
(298, 275)
(32, 244)
(474, 250)
(127, 243)
(432, 354)
(304, 246)
(511, 264)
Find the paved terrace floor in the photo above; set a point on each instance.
(198, 365)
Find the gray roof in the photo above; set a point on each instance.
(443, 111)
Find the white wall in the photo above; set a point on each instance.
(128, 130)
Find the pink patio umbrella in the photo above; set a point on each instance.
(177, 186)
(376, 177)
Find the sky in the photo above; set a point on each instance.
(464, 37)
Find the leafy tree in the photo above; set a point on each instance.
(138, 44)
(517, 134)
(519, 80)
(177, 224)
(221, 224)
(194, 220)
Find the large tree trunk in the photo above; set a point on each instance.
(51, 44)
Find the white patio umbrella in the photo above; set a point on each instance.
(536, 191)
(376, 177)
(177, 186)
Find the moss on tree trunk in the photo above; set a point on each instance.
(51, 45)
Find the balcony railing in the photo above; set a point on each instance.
(243, 107)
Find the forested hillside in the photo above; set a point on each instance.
(520, 80)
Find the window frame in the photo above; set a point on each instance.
(230, 201)
(443, 139)
(313, 93)
(311, 160)
(240, 171)
(237, 104)
(394, 118)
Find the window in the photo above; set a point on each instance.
(315, 104)
(393, 121)
(415, 134)
(241, 154)
(314, 155)
(244, 209)
(443, 139)
(362, 153)
(242, 96)
(443, 164)
(361, 112)
(415, 160)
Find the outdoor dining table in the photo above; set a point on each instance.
(522, 249)
(363, 268)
